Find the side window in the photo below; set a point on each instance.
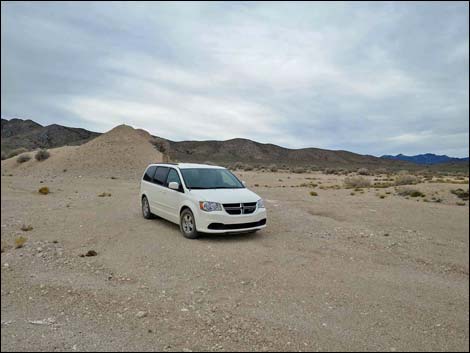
(149, 173)
(173, 176)
(160, 175)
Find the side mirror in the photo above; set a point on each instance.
(174, 185)
(244, 182)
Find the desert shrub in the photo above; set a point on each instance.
(315, 168)
(363, 171)
(238, 165)
(247, 168)
(460, 193)
(356, 182)
(382, 196)
(19, 242)
(330, 171)
(406, 180)
(410, 192)
(382, 185)
(381, 171)
(273, 168)
(298, 170)
(104, 194)
(44, 190)
(313, 193)
(403, 172)
(23, 158)
(42, 155)
(460, 203)
(4, 155)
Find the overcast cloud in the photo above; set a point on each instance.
(372, 78)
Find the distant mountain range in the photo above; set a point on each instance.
(18, 133)
(426, 159)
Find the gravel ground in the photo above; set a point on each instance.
(330, 272)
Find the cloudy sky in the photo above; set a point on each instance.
(372, 78)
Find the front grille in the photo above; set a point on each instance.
(240, 208)
(221, 226)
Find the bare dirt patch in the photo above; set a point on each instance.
(331, 272)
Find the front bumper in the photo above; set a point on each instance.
(222, 222)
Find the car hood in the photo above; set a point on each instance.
(225, 195)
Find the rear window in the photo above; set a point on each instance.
(148, 176)
(160, 175)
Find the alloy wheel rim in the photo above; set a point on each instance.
(145, 207)
(188, 224)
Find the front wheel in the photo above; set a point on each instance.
(146, 213)
(188, 225)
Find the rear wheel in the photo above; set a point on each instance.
(146, 213)
(188, 224)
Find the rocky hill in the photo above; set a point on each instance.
(251, 152)
(121, 152)
(28, 134)
(19, 133)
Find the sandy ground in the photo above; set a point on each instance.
(331, 272)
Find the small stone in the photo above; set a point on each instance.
(91, 253)
(141, 314)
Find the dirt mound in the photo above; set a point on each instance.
(121, 152)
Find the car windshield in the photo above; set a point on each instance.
(210, 178)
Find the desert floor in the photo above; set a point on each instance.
(330, 272)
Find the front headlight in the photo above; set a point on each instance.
(260, 203)
(210, 206)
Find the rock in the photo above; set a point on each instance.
(141, 314)
(49, 321)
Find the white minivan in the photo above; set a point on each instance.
(200, 198)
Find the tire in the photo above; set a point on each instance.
(188, 224)
(146, 213)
